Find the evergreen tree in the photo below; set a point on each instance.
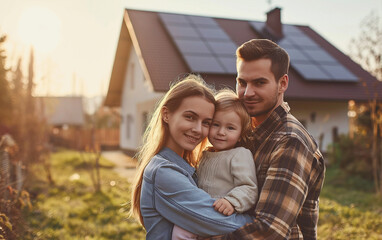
(5, 96)
(18, 94)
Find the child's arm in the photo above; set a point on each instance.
(223, 206)
(245, 193)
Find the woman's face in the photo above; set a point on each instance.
(189, 124)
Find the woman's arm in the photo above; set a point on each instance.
(181, 202)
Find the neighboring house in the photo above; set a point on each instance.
(62, 111)
(66, 118)
(157, 48)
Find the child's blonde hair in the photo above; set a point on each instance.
(227, 100)
(157, 131)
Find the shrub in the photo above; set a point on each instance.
(353, 155)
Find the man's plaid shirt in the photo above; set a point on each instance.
(290, 173)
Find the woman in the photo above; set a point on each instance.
(165, 190)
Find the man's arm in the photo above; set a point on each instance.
(282, 195)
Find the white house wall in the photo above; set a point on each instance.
(320, 117)
(137, 99)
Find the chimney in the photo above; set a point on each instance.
(273, 23)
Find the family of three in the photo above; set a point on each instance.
(260, 179)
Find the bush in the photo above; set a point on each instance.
(353, 155)
(11, 207)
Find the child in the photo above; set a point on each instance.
(227, 172)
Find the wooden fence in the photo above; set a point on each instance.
(80, 139)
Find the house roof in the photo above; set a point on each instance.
(164, 58)
(62, 110)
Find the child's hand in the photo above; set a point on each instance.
(223, 206)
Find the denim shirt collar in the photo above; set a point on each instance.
(170, 155)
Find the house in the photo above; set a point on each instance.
(62, 111)
(155, 48)
(66, 118)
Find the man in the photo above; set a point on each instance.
(290, 167)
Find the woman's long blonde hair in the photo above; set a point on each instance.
(156, 132)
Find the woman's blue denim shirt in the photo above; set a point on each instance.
(170, 196)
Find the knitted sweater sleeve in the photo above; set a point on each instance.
(245, 193)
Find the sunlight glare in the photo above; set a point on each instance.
(40, 27)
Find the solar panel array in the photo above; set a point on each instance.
(308, 58)
(204, 46)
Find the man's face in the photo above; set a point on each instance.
(257, 86)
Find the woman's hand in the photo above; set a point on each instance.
(223, 206)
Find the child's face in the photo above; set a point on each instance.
(225, 130)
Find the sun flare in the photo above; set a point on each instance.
(40, 27)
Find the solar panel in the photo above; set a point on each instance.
(307, 57)
(192, 46)
(302, 41)
(213, 33)
(187, 32)
(320, 56)
(175, 19)
(286, 43)
(296, 55)
(204, 46)
(311, 71)
(291, 29)
(204, 64)
(222, 48)
(202, 21)
(229, 64)
(340, 73)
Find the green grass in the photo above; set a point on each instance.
(71, 209)
(349, 209)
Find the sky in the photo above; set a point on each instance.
(75, 41)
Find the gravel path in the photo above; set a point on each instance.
(125, 166)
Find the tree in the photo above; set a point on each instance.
(367, 48)
(367, 51)
(18, 93)
(5, 96)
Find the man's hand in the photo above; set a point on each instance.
(223, 206)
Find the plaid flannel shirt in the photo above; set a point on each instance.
(290, 171)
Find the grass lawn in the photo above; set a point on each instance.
(349, 209)
(72, 210)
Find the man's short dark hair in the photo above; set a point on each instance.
(263, 48)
